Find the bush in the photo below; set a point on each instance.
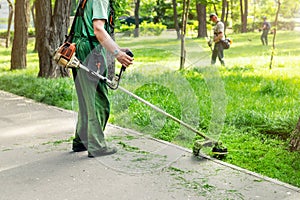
(3, 33)
(286, 25)
(56, 92)
(31, 32)
(146, 29)
(152, 29)
(238, 27)
(127, 30)
(192, 26)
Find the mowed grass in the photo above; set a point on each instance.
(249, 107)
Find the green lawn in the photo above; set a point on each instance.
(249, 107)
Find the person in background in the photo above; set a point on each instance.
(219, 35)
(265, 31)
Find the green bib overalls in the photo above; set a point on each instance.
(92, 94)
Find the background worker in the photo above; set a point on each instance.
(265, 31)
(219, 35)
(92, 43)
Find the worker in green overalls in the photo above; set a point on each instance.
(92, 42)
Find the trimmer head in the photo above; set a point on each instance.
(218, 150)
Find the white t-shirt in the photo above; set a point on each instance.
(219, 28)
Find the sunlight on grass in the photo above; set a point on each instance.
(262, 105)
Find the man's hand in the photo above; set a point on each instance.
(210, 42)
(219, 37)
(124, 58)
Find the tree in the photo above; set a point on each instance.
(137, 18)
(274, 35)
(244, 14)
(10, 17)
(21, 23)
(160, 9)
(225, 12)
(215, 8)
(51, 29)
(42, 30)
(176, 24)
(32, 9)
(289, 8)
(186, 5)
(201, 16)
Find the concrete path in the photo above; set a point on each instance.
(36, 163)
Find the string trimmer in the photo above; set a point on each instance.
(65, 57)
(209, 42)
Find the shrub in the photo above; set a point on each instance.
(151, 28)
(238, 27)
(31, 32)
(146, 29)
(127, 30)
(3, 33)
(286, 25)
(192, 26)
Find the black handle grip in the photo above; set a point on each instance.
(128, 52)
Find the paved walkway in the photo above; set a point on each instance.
(36, 163)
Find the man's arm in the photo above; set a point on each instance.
(104, 38)
(218, 37)
(220, 29)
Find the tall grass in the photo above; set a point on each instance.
(251, 108)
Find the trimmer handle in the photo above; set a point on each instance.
(128, 52)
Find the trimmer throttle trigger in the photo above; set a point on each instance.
(128, 52)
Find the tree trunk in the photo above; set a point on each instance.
(137, 18)
(10, 17)
(50, 34)
(223, 10)
(201, 16)
(245, 21)
(176, 24)
(34, 22)
(21, 22)
(274, 35)
(42, 29)
(295, 138)
(244, 15)
(186, 4)
(59, 28)
(226, 16)
(32, 13)
(215, 9)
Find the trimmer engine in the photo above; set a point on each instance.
(64, 56)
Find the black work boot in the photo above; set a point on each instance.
(78, 147)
